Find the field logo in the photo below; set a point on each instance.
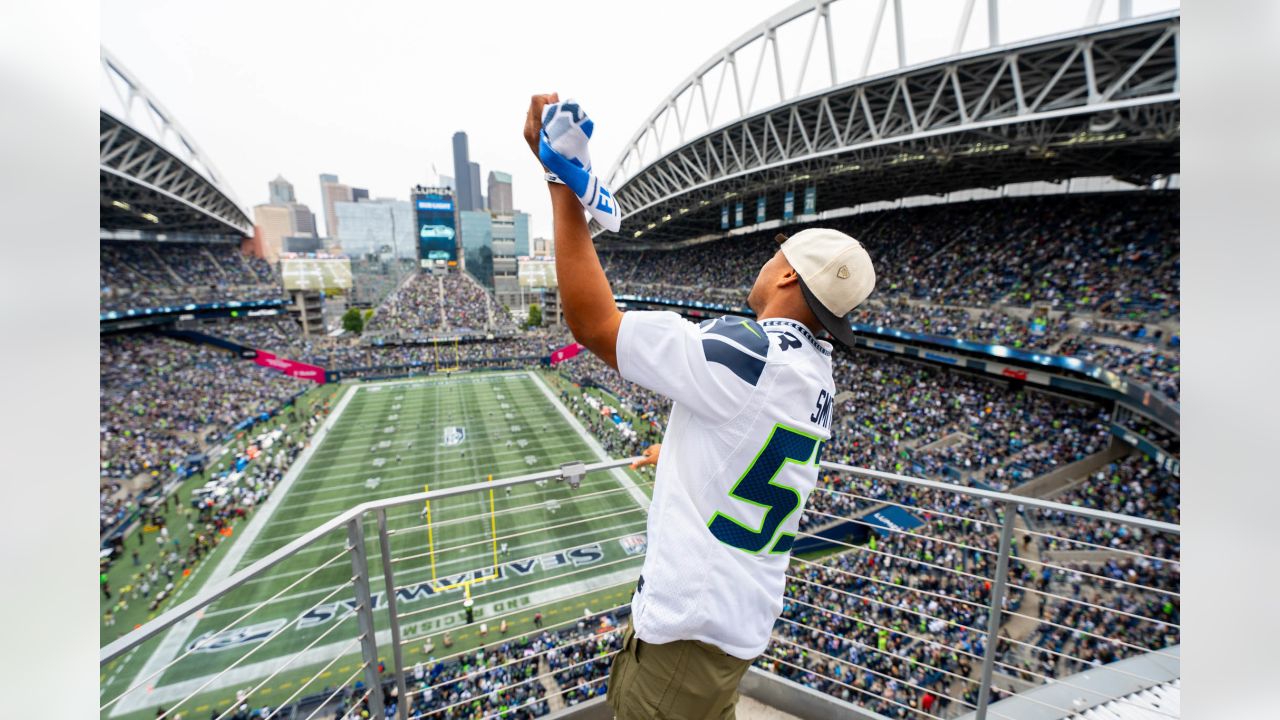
(454, 435)
(634, 544)
(227, 639)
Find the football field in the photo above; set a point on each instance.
(538, 548)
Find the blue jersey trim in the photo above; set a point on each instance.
(745, 366)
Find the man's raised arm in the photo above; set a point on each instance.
(585, 295)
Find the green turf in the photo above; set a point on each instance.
(493, 409)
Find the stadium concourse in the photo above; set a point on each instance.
(894, 629)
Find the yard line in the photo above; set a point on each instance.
(589, 484)
(365, 465)
(477, 561)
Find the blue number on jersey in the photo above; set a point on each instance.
(756, 486)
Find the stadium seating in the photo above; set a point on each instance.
(136, 275)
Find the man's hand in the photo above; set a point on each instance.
(650, 457)
(533, 120)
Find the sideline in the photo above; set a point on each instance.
(175, 640)
(623, 478)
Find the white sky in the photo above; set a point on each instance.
(373, 91)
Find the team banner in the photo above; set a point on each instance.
(810, 200)
(789, 206)
(292, 368)
(565, 353)
(737, 214)
(760, 209)
(724, 217)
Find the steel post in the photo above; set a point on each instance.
(364, 613)
(397, 652)
(997, 601)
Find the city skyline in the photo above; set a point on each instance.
(381, 126)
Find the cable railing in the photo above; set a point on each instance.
(933, 610)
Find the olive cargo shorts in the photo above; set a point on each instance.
(682, 680)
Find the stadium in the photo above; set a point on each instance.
(434, 516)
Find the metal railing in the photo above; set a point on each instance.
(924, 597)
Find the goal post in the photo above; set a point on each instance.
(493, 541)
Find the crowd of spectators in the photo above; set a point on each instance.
(145, 275)
(898, 624)
(1158, 368)
(429, 305)
(988, 326)
(959, 270)
(1116, 256)
(1096, 613)
(160, 402)
(1133, 485)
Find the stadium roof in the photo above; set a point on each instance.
(153, 176)
(1094, 100)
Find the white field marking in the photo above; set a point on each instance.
(176, 638)
(481, 558)
(473, 378)
(247, 673)
(589, 483)
(318, 547)
(623, 478)
(377, 431)
(328, 547)
(406, 469)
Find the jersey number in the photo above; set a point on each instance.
(756, 486)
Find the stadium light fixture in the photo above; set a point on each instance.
(120, 204)
(684, 210)
(666, 218)
(149, 216)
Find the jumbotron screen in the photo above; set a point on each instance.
(537, 273)
(437, 236)
(328, 274)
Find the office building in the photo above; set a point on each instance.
(382, 227)
(304, 221)
(332, 191)
(280, 191)
(543, 247)
(476, 228)
(272, 224)
(477, 195)
(462, 173)
(500, 192)
(358, 194)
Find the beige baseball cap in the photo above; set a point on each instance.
(836, 275)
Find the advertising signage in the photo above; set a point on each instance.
(437, 234)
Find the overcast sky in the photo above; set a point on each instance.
(373, 91)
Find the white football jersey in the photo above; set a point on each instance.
(753, 404)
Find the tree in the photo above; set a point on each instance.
(535, 316)
(352, 322)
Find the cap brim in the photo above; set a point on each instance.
(837, 326)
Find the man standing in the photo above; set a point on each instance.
(752, 407)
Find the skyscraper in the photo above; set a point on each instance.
(462, 172)
(280, 191)
(477, 194)
(499, 192)
(332, 191)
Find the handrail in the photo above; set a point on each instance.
(170, 617)
(994, 496)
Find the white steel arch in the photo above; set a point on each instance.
(142, 146)
(717, 122)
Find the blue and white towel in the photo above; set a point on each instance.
(563, 150)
